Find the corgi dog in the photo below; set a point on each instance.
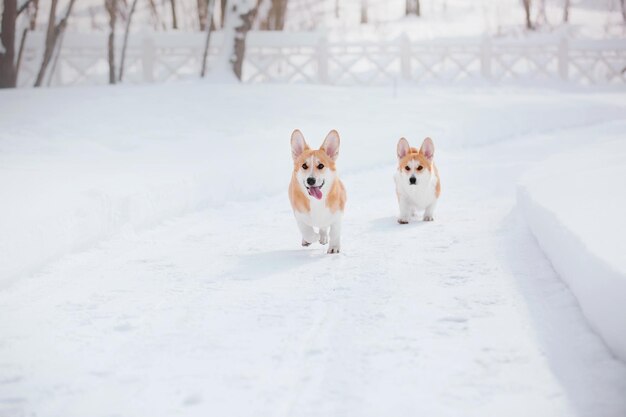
(317, 195)
(417, 180)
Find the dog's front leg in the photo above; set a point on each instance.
(335, 237)
(429, 212)
(308, 233)
(405, 210)
(323, 235)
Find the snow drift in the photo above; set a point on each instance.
(575, 206)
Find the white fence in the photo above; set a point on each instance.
(311, 58)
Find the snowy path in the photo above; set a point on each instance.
(222, 313)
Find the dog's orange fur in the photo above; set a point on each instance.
(417, 154)
(299, 201)
(336, 198)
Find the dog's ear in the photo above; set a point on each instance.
(428, 148)
(403, 148)
(298, 144)
(331, 145)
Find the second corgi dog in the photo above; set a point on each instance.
(417, 180)
(317, 195)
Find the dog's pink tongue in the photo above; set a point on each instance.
(315, 192)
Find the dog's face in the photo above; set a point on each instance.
(415, 165)
(315, 169)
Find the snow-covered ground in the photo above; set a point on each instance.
(150, 263)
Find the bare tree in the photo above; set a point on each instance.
(413, 7)
(364, 11)
(25, 6)
(246, 18)
(209, 30)
(32, 8)
(8, 73)
(240, 15)
(174, 20)
(529, 24)
(271, 14)
(155, 15)
(223, 7)
(112, 10)
(203, 6)
(126, 33)
(566, 4)
(277, 14)
(52, 35)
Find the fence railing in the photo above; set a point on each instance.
(283, 57)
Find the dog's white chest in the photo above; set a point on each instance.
(319, 215)
(422, 194)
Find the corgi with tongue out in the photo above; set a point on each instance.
(317, 195)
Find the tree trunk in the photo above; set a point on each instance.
(50, 43)
(412, 7)
(207, 44)
(20, 53)
(174, 21)
(55, 61)
(52, 35)
(8, 75)
(566, 4)
(529, 24)
(363, 11)
(224, 6)
(241, 32)
(203, 6)
(277, 15)
(111, 6)
(125, 44)
(33, 10)
(624, 10)
(336, 9)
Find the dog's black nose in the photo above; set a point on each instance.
(310, 180)
(412, 180)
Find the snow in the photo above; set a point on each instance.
(151, 265)
(575, 205)
(102, 163)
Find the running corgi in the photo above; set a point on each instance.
(317, 195)
(417, 180)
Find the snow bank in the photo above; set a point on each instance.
(575, 205)
(80, 164)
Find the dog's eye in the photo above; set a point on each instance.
(305, 166)
(419, 168)
(408, 168)
(320, 166)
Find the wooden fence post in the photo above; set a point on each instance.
(322, 60)
(147, 58)
(405, 57)
(485, 58)
(564, 58)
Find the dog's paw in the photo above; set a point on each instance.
(428, 218)
(323, 239)
(333, 249)
(403, 221)
(305, 243)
